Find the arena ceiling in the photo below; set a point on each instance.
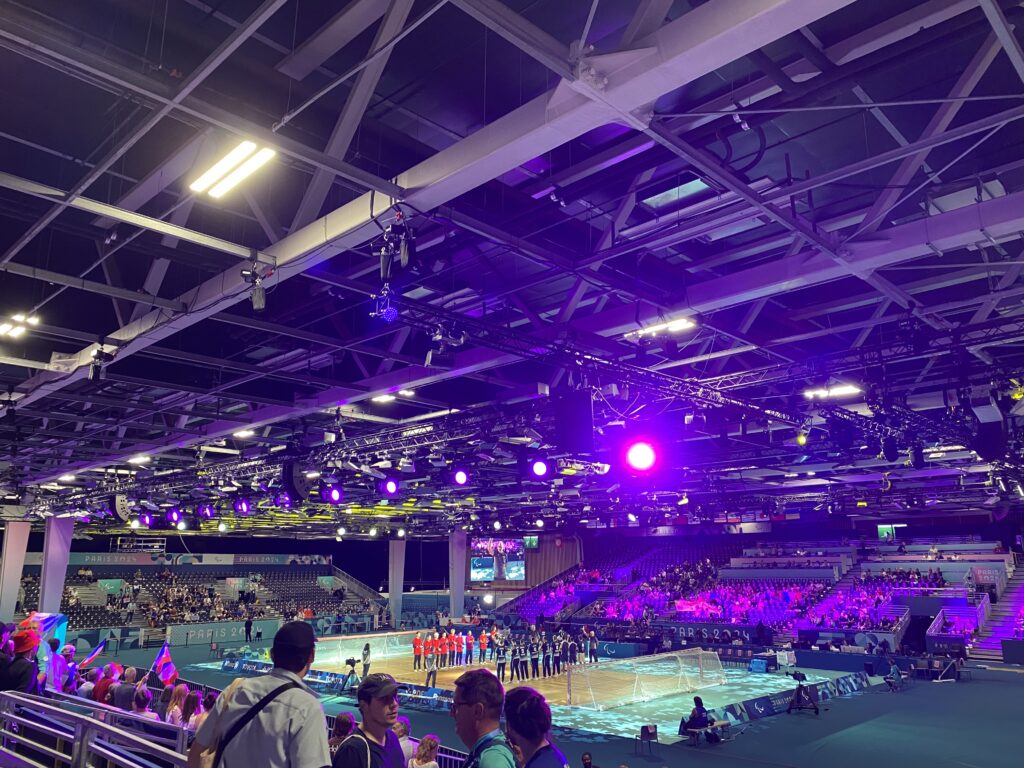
(829, 193)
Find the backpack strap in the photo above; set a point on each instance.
(245, 719)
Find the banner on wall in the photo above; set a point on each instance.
(325, 582)
(716, 633)
(142, 559)
(219, 632)
(111, 586)
(118, 638)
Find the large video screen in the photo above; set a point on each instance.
(507, 555)
(481, 569)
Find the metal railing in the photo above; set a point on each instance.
(37, 732)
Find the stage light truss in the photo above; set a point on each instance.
(928, 342)
(427, 317)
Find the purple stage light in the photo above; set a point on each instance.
(460, 477)
(241, 506)
(391, 487)
(173, 515)
(641, 456)
(335, 495)
(283, 500)
(330, 493)
(146, 519)
(539, 468)
(205, 510)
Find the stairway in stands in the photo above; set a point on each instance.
(988, 646)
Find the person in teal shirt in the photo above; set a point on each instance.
(476, 709)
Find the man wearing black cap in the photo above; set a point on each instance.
(373, 744)
(273, 720)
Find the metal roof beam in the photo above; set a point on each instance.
(209, 65)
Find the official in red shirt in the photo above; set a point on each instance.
(483, 646)
(460, 648)
(417, 651)
(469, 647)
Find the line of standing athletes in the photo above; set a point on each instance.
(523, 656)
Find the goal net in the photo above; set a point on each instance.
(335, 650)
(625, 681)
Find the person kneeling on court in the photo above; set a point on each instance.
(373, 744)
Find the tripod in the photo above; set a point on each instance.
(801, 701)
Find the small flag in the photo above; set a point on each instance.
(164, 666)
(93, 654)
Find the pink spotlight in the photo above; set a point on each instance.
(335, 495)
(641, 456)
(539, 468)
(461, 478)
(391, 487)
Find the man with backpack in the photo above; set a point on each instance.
(373, 744)
(273, 720)
(476, 709)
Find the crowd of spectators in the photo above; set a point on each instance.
(658, 594)
(560, 592)
(774, 603)
(179, 601)
(1018, 625)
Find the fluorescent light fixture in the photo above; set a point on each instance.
(66, 479)
(4, 328)
(33, 320)
(244, 433)
(669, 326)
(223, 166)
(242, 172)
(143, 459)
(383, 399)
(839, 390)
(16, 331)
(406, 392)
(676, 194)
(313, 475)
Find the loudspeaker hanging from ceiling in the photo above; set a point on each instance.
(574, 420)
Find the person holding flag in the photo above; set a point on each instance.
(164, 667)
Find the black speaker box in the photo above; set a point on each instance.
(990, 441)
(574, 420)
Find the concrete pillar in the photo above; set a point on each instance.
(56, 550)
(396, 579)
(457, 573)
(15, 543)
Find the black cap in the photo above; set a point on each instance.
(376, 686)
(295, 634)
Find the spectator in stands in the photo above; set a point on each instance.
(209, 700)
(528, 717)
(374, 743)
(176, 708)
(122, 694)
(164, 701)
(57, 669)
(402, 730)
(111, 673)
(290, 730)
(86, 687)
(476, 708)
(21, 673)
(587, 760)
(426, 753)
(343, 725)
(140, 703)
(193, 707)
(6, 644)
